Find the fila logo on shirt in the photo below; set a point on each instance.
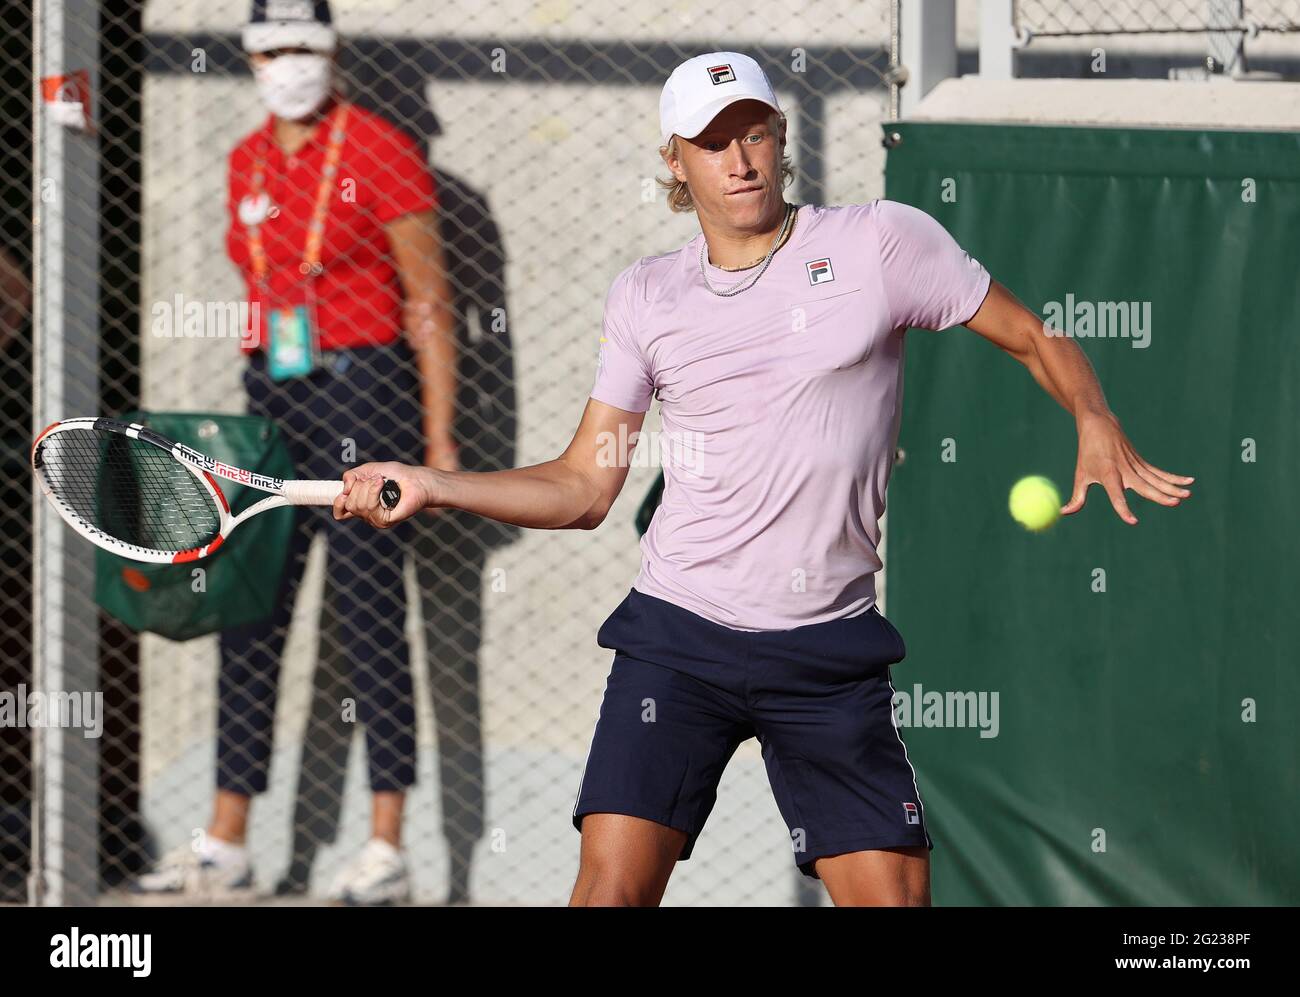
(911, 813)
(721, 74)
(820, 272)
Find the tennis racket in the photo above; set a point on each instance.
(138, 494)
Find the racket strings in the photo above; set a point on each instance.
(129, 489)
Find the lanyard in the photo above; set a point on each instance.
(310, 264)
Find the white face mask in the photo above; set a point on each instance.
(293, 85)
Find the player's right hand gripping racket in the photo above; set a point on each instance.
(138, 494)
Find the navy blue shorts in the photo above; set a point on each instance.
(684, 692)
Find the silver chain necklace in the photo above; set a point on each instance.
(745, 285)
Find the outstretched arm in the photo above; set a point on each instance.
(1106, 456)
(574, 491)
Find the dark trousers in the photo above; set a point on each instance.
(362, 405)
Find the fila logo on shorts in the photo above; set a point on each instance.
(820, 272)
(721, 74)
(910, 811)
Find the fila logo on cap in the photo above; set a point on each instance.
(721, 74)
(913, 817)
(820, 272)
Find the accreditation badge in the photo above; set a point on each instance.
(293, 347)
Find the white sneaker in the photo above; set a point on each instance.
(376, 876)
(216, 868)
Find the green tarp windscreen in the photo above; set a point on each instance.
(1141, 684)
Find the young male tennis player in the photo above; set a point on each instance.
(774, 343)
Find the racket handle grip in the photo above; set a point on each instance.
(312, 492)
(325, 492)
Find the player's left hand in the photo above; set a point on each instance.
(1106, 457)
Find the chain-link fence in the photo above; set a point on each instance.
(1186, 40)
(535, 124)
(1054, 18)
(15, 399)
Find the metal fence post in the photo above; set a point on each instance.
(929, 47)
(996, 40)
(65, 839)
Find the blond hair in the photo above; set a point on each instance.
(679, 194)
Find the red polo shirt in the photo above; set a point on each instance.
(382, 175)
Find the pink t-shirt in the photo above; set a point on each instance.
(780, 407)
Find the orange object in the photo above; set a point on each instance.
(136, 579)
(68, 98)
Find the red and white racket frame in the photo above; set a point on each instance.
(204, 468)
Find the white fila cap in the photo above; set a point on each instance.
(700, 88)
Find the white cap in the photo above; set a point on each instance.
(700, 88)
(290, 24)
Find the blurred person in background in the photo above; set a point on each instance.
(449, 550)
(333, 226)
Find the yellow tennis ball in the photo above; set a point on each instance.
(1035, 504)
